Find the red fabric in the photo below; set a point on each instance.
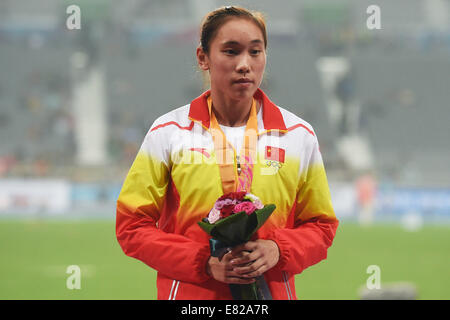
(140, 238)
(302, 126)
(272, 117)
(174, 123)
(274, 153)
(304, 245)
(180, 253)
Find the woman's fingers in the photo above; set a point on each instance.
(239, 280)
(244, 258)
(223, 271)
(249, 267)
(263, 256)
(245, 262)
(246, 247)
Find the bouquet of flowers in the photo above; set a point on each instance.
(232, 221)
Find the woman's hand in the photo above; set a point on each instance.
(262, 256)
(245, 262)
(222, 270)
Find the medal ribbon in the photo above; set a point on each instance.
(233, 181)
(225, 153)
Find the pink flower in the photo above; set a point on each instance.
(258, 204)
(246, 206)
(222, 203)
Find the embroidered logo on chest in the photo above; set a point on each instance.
(274, 159)
(274, 154)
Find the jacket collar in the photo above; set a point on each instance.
(272, 117)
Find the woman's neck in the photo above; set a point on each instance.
(231, 113)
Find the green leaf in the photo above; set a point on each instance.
(258, 218)
(263, 214)
(232, 229)
(239, 227)
(206, 226)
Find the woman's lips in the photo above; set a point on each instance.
(244, 82)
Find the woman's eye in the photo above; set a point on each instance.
(255, 52)
(230, 51)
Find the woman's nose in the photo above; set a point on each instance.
(243, 65)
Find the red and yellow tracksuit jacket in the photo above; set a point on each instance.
(175, 181)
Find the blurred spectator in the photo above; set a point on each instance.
(366, 192)
(41, 167)
(6, 164)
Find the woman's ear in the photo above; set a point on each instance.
(202, 59)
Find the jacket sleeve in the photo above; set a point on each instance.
(314, 225)
(139, 206)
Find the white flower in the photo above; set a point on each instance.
(252, 197)
(213, 215)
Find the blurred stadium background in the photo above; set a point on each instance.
(75, 106)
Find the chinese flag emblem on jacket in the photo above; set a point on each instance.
(274, 153)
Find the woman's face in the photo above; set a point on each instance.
(236, 59)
